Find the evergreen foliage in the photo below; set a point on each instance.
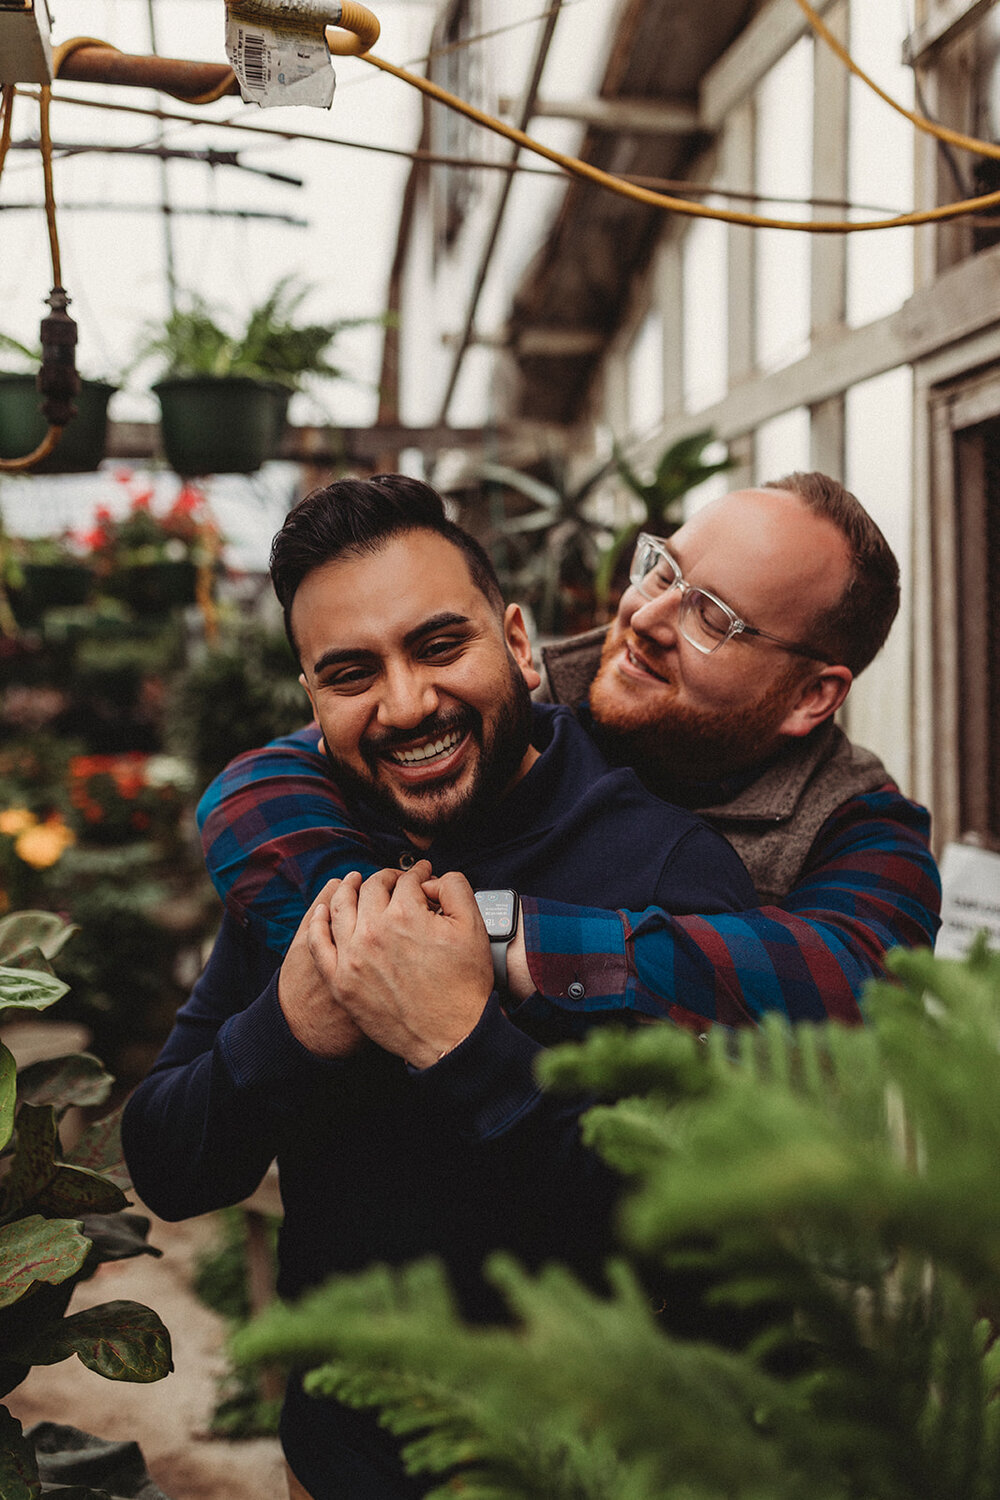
(840, 1185)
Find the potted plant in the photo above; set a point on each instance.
(60, 1210)
(150, 561)
(82, 445)
(224, 394)
(679, 468)
(44, 572)
(547, 555)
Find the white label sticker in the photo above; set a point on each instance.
(970, 883)
(279, 67)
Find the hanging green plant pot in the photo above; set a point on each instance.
(220, 425)
(154, 588)
(55, 585)
(22, 426)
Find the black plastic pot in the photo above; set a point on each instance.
(46, 586)
(220, 425)
(22, 426)
(154, 588)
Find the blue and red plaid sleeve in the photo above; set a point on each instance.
(870, 884)
(274, 830)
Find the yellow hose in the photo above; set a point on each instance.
(52, 436)
(921, 122)
(593, 174)
(45, 447)
(358, 29)
(6, 118)
(361, 27)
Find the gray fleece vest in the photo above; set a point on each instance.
(773, 822)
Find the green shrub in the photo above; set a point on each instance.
(841, 1185)
(235, 695)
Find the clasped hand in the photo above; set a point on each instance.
(400, 958)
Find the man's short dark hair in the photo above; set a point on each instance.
(354, 517)
(854, 629)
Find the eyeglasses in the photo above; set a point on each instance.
(703, 619)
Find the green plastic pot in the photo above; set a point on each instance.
(220, 425)
(22, 426)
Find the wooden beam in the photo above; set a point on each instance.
(324, 445)
(962, 302)
(558, 343)
(949, 20)
(758, 47)
(640, 116)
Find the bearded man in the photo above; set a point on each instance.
(403, 1109)
(718, 681)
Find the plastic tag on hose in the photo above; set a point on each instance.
(278, 51)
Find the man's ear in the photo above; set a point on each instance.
(312, 701)
(819, 696)
(519, 643)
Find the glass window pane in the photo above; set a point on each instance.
(880, 164)
(878, 421)
(784, 168)
(706, 331)
(644, 367)
(782, 445)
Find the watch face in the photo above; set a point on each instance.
(499, 911)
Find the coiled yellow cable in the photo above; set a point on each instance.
(358, 29)
(53, 434)
(356, 32)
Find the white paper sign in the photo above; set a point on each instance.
(970, 884)
(279, 67)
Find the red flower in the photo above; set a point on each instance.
(189, 499)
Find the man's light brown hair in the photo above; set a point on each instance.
(853, 630)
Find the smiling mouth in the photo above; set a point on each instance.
(638, 664)
(429, 751)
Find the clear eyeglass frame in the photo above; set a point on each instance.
(704, 620)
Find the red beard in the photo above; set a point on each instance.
(667, 739)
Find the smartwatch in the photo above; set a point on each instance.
(500, 911)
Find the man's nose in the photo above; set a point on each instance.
(657, 618)
(407, 699)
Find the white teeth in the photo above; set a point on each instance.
(427, 751)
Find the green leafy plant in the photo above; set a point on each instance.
(680, 468)
(246, 1406)
(837, 1188)
(238, 692)
(60, 1210)
(274, 343)
(547, 556)
(21, 356)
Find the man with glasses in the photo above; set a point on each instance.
(718, 680)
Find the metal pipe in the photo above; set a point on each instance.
(96, 63)
(493, 234)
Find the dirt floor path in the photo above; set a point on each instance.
(167, 1419)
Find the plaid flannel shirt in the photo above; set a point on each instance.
(275, 828)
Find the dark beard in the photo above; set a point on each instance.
(501, 752)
